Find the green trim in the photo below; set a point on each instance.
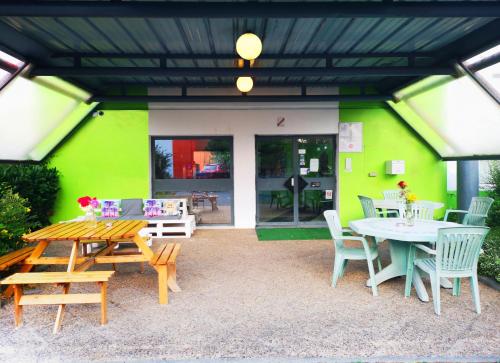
(128, 91)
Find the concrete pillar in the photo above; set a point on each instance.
(467, 182)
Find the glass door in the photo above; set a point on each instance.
(316, 177)
(275, 201)
(295, 179)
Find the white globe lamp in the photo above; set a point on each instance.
(248, 46)
(244, 84)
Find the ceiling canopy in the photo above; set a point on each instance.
(103, 44)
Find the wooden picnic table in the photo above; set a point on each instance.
(111, 232)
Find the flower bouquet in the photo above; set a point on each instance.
(89, 205)
(409, 198)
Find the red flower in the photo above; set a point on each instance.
(84, 201)
(402, 184)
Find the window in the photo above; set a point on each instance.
(198, 169)
(9, 67)
(486, 68)
(199, 158)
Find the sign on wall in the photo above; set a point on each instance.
(351, 137)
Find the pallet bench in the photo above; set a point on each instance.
(65, 278)
(171, 228)
(164, 262)
(11, 259)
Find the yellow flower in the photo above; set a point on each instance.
(411, 197)
(28, 210)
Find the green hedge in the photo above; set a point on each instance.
(14, 219)
(38, 183)
(489, 261)
(494, 214)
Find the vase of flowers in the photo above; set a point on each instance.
(408, 198)
(89, 205)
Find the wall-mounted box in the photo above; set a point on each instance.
(394, 167)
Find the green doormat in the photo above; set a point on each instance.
(283, 234)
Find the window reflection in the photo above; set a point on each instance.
(275, 206)
(208, 207)
(208, 158)
(274, 158)
(312, 204)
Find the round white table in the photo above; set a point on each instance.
(400, 238)
(396, 204)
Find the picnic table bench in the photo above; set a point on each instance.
(13, 258)
(111, 232)
(164, 263)
(19, 279)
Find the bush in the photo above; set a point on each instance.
(494, 181)
(14, 219)
(36, 182)
(489, 261)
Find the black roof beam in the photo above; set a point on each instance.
(268, 84)
(232, 56)
(236, 72)
(23, 46)
(479, 40)
(150, 9)
(171, 99)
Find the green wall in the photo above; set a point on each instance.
(106, 157)
(386, 138)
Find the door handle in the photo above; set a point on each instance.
(302, 184)
(289, 184)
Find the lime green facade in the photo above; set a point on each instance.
(107, 156)
(386, 137)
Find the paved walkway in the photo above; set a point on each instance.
(245, 301)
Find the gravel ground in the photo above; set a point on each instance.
(243, 299)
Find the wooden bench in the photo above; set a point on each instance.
(11, 259)
(19, 279)
(15, 257)
(164, 263)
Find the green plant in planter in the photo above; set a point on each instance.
(14, 219)
(36, 182)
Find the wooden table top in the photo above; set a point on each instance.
(76, 231)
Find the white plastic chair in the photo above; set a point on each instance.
(370, 211)
(477, 213)
(343, 253)
(421, 210)
(456, 255)
(392, 194)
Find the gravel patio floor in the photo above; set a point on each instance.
(263, 300)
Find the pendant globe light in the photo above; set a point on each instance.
(248, 46)
(244, 84)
